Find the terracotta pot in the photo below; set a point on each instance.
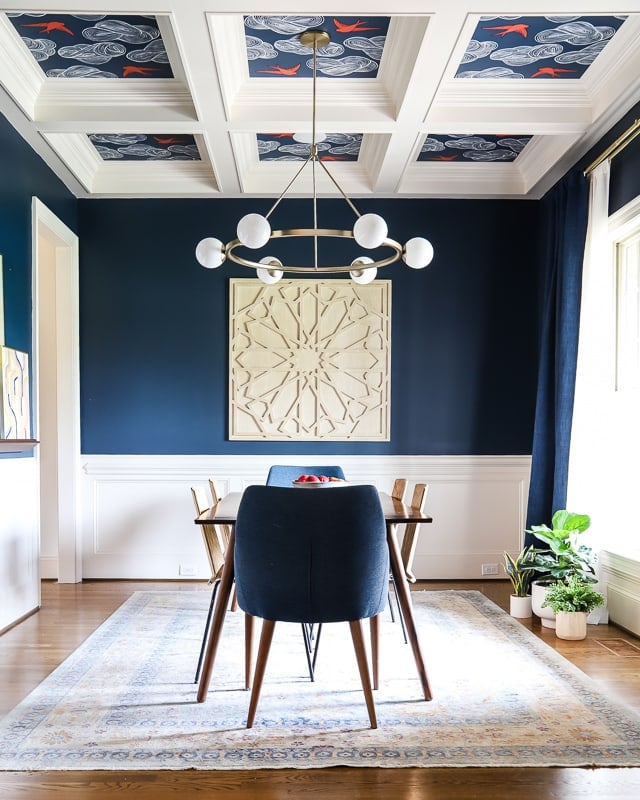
(571, 624)
(538, 594)
(520, 607)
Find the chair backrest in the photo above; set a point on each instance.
(311, 556)
(214, 543)
(284, 474)
(216, 496)
(399, 489)
(411, 531)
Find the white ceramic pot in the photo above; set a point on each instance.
(538, 594)
(520, 607)
(571, 624)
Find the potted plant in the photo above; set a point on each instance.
(563, 557)
(572, 600)
(520, 570)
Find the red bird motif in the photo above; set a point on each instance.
(130, 70)
(522, 29)
(355, 27)
(276, 70)
(283, 135)
(331, 158)
(49, 27)
(444, 158)
(552, 72)
(168, 140)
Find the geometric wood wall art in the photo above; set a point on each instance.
(309, 360)
(15, 417)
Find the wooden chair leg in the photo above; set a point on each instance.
(268, 626)
(374, 632)
(248, 649)
(234, 599)
(363, 666)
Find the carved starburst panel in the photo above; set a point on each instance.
(310, 360)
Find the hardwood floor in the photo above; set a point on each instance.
(31, 650)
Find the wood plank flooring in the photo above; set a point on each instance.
(31, 650)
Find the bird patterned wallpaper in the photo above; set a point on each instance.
(145, 147)
(472, 147)
(355, 49)
(94, 45)
(558, 46)
(288, 147)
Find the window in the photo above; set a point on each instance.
(628, 313)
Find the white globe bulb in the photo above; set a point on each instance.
(210, 253)
(270, 274)
(363, 275)
(254, 231)
(418, 253)
(370, 231)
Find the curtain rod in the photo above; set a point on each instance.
(616, 147)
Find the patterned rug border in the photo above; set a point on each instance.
(624, 724)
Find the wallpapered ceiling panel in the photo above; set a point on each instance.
(310, 360)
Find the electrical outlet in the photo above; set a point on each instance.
(186, 570)
(489, 569)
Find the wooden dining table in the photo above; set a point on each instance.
(225, 512)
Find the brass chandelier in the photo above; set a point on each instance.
(369, 231)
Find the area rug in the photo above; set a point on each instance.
(501, 697)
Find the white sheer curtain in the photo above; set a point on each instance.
(590, 453)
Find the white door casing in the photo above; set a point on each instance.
(56, 392)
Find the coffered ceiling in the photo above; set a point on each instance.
(201, 99)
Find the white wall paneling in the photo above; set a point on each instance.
(19, 578)
(620, 581)
(138, 513)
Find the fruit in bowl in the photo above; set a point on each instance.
(316, 480)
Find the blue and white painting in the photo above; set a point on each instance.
(550, 47)
(293, 147)
(145, 147)
(472, 147)
(274, 50)
(94, 45)
(15, 415)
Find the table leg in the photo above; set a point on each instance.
(406, 607)
(222, 601)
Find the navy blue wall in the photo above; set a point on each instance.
(154, 327)
(23, 175)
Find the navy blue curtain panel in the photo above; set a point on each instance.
(566, 209)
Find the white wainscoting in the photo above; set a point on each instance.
(19, 578)
(620, 581)
(137, 512)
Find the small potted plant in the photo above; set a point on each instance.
(572, 600)
(520, 570)
(563, 557)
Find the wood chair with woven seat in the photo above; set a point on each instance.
(409, 544)
(216, 539)
(313, 577)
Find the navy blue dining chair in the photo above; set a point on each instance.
(311, 557)
(285, 474)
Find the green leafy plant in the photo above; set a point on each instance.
(521, 570)
(564, 556)
(574, 594)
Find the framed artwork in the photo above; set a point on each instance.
(1, 303)
(15, 415)
(309, 360)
